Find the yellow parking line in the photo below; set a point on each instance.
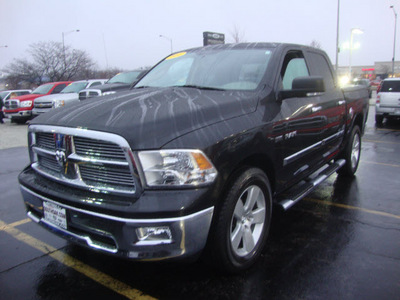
(98, 276)
(382, 164)
(383, 129)
(380, 142)
(375, 212)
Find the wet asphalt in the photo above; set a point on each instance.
(341, 242)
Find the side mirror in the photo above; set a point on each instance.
(303, 87)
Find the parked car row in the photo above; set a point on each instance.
(23, 105)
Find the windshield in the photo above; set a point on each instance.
(235, 69)
(74, 87)
(391, 86)
(43, 89)
(127, 77)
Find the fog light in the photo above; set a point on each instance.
(154, 235)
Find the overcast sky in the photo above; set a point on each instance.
(126, 33)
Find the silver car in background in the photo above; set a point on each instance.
(388, 100)
(68, 96)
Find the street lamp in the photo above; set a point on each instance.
(5, 46)
(63, 34)
(337, 37)
(353, 31)
(394, 39)
(169, 39)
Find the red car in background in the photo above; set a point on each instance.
(19, 109)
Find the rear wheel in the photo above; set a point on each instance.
(242, 224)
(352, 153)
(378, 119)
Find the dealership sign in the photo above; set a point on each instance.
(213, 38)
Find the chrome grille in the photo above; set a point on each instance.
(88, 94)
(48, 104)
(87, 159)
(49, 163)
(45, 140)
(11, 104)
(106, 174)
(98, 149)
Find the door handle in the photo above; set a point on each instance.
(317, 108)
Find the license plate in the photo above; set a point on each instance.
(55, 214)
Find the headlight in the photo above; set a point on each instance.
(176, 168)
(26, 103)
(109, 93)
(58, 103)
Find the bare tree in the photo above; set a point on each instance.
(315, 44)
(237, 35)
(50, 62)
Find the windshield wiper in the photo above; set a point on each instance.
(141, 87)
(200, 87)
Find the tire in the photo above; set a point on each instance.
(352, 153)
(242, 223)
(378, 119)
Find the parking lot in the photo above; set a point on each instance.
(341, 242)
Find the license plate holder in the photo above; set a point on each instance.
(55, 214)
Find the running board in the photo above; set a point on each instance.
(306, 188)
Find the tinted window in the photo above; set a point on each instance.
(390, 86)
(58, 88)
(22, 93)
(296, 67)
(320, 67)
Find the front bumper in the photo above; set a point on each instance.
(19, 114)
(39, 111)
(118, 236)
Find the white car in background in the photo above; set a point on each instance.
(9, 94)
(388, 100)
(68, 96)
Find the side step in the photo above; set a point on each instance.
(308, 186)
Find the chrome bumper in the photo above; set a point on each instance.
(118, 236)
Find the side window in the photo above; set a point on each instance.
(320, 67)
(294, 66)
(95, 83)
(58, 88)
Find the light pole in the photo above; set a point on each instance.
(394, 39)
(353, 31)
(337, 37)
(63, 34)
(169, 39)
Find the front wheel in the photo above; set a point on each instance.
(242, 223)
(352, 153)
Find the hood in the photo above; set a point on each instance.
(66, 96)
(28, 97)
(149, 118)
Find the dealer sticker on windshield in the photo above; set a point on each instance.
(55, 214)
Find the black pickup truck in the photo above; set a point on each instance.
(195, 156)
